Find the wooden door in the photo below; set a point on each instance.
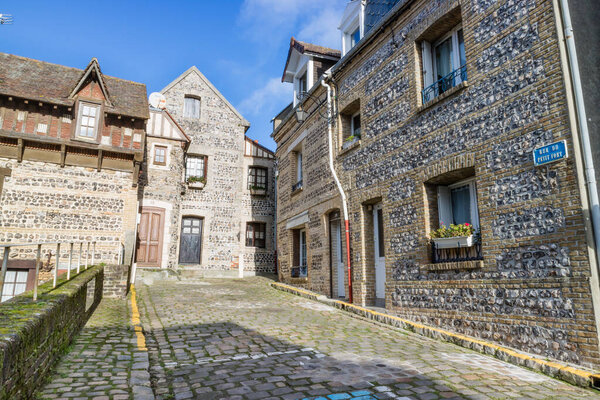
(190, 247)
(150, 237)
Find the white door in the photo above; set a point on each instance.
(379, 252)
(337, 237)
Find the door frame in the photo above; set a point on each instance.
(163, 213)
(379, 261)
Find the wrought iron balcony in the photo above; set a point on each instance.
(445, 83)
(297, 186)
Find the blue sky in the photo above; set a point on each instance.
(239, 45)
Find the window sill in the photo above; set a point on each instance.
(196, 185)
(258, 192)
(450, 266)
(349, 148)
(299, 280)
(443, 96)
(296, 191)
(85, 140)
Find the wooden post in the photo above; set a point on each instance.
(87, 256)
(37, 272)
(79, 256)
(56, 266)
(94, 253)
(70, 261)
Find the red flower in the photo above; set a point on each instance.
(466, 224)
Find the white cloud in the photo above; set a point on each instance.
(271, 98)
(322, 29)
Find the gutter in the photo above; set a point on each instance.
(330, 106)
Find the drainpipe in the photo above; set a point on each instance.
(582, 122)
(337, 181)
(572, 71)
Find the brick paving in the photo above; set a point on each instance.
(241, 339)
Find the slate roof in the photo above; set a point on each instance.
(304, 48)
(375, 10)
(52, 83)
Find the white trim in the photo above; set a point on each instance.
(167, 157)
(98, 108)
(297, 144)
(297, 220)
(301, 69)
(352, 19)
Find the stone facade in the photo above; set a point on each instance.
(532, 289)
(224, 203)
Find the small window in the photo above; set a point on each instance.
(191, 107)
(15, 283)
(300, 267)
(355, 37)
(88, 120)
(444, 63)
(195, 167)
(160, 155)
(255, 234)
(302, 84)
(457, 204)
(257, 178)
(299, 167)
(355, 125)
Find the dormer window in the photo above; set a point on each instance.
(87, 122)
(352, 25)
(302, 84)
(191, 107)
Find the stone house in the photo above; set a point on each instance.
(437, 108)
(207, 194)
(71, 143)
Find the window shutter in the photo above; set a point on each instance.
(474, 208)
(427, 64)
(445, 206)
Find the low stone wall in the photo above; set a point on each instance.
(116, 280)
(34, 335)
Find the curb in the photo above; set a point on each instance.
(554, 369)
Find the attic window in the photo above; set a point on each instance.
(191, 107)
(87, 122)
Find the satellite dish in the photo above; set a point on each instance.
(157, 100)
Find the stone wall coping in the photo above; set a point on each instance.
(554, 369)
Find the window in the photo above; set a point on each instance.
(160, 155)
(444, 63)
(191, 107)
(255, 234)
(88, 120)
(355, 125)
(302, 85)
(298, 184)
(15, 282)
(257, 178)
(300, 267)
(354, 37)
(457, 204)
(195, 167)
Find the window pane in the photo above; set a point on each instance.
(443, 58)
(356, 125)
(380, 244)
(355, 37)
(92, 111)
(461, 204)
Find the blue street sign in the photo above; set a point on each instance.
(550, 153)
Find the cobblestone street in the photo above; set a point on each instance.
(241, 339)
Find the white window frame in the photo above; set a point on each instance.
(204, 168)
(428, 56)
(353, 19)
(445, 202)
(305, 66)
(195, 99)
(80, 117)
(14, 287)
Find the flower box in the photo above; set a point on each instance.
(196, 185)
(454, 242)
(258, 191)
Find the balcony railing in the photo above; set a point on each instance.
(447, 82)
(457, 254)
(297, 186)
(74, 249)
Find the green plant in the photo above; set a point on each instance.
(452, 230)
(193, 179)
(352, 138)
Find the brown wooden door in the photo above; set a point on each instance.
(150, 237)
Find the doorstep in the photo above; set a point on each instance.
(554, 369)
